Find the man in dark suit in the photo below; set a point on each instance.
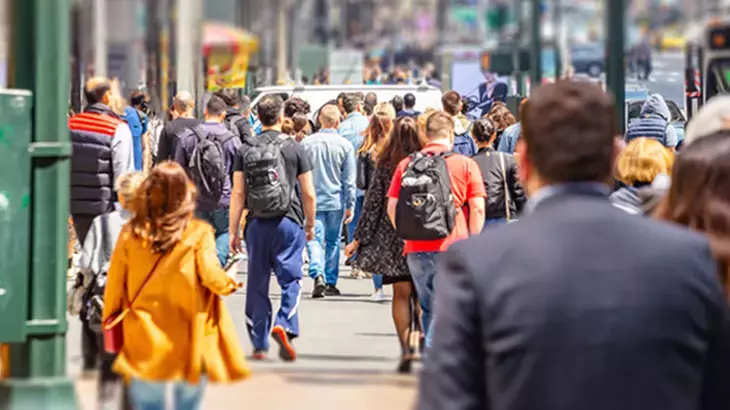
(578, 306)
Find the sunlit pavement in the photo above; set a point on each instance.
(347, 356)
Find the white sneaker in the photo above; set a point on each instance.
(378, 296)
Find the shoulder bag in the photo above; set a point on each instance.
(507, 196)
(113, 329)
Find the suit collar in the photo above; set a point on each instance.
(552, 192)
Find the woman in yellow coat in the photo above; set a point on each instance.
(177, 329)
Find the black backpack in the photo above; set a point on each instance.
(268, 190)
(207, 166)
(231, 123)
(425, 209)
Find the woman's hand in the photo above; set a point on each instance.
(351, 248)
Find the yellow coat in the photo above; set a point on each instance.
(178, 328)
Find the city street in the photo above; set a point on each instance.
(667, 77)
(347, 357)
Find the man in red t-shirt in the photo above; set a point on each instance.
(467, 187)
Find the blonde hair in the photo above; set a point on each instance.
(329, 115)
(423, 119)
(381, 123)
(642, 160)
(127, 184)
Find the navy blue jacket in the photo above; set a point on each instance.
(579, 306)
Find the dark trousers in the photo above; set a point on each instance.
(82, 224)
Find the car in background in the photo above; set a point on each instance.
(678, 119)
(588, 59)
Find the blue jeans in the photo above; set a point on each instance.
(423, 267)
(315, 251)
(378, 282)
(332, 222)
(144, 395)
(219, 221)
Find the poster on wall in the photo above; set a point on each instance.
(227, 70)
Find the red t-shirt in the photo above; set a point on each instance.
(466, 184)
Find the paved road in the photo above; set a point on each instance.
(667, 77)
(347, 356)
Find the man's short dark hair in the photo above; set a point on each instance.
(341, 97)
(216, 106)
(371, 99)
(136, 98)
(351, 102)
(451, 102)
(230, 96)
(397, 102)
(269, 109)
(569, 129)
(95, 93)
(409, 100)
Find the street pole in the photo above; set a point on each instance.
(535, 45)
(557, 29)
(100, 36)
(615, 70)
(38, 380)
(518, 16)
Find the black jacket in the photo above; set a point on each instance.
(579, 306)
(491, 169)
(242, 127)
(170, 137)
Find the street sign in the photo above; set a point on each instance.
(15, 172)
(345, 66)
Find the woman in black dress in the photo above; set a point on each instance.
(379, 249)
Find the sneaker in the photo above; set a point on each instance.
(286, 349)
(259, 355)
(319, 288)
(378, 296)
(332, 290)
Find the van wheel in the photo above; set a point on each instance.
(594, 70)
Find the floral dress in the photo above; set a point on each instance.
(380, 251)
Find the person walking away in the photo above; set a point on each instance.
(511, 134)
(409, 102)
(638, 165)
(398, 103)
(502, 119)
(376, 135)
(102, 148)
(272, 179)
(164, 284)
(654, 122)
(462, 142)
(440, 187)
(379, 249)
(572, 333)
(371, 100)
(183, 108)
(208, 152)
(137, 120)
(333, 161)
(505, 196)
(94, 264)
(238, 109)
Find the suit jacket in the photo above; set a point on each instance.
(579, 306)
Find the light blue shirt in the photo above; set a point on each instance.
(352, 128)
(508, 143)
(333, 163)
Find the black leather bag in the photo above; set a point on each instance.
(364, 170)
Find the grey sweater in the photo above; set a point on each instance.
(94, 258)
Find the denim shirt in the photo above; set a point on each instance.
(352, 128)
(569, 188)
(333, 163)
(508, 143)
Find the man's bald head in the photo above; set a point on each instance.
(329, 116)
(98, 90)
(183, 103)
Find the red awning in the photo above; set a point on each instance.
(217, 36)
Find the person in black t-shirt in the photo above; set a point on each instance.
(274, 243)
(183, 119)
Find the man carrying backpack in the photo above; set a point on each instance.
(445, 190)
(272, 179)
(237, 113)
(208, 152)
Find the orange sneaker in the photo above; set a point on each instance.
(259, 355)
(286, 349)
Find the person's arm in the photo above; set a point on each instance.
(181, 155)
(517, 192)
(116, 277)
(475, 192)
(393, 192)
(163, 147)
(211, 275)
(349, 173)
(237, 205)
(122, 153)
(454, 376)
(309, 201)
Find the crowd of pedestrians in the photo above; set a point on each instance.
(609, 290)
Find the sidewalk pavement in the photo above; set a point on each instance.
(347, 351)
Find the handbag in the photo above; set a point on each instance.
(364, 168)
(507, 196)
(113, 329)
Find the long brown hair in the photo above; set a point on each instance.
(403, 141)
(699, 197)
(163, 206)
(381, 123)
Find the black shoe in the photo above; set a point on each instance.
(404, 367)
(332, 291)
(319, 288)
(287, 352)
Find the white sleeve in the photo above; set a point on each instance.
(122, 152)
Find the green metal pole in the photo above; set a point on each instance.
(615, 71)
(40, 51)
(518, 16)
(557, 24)
(535, 45)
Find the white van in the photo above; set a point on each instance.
(318, 95)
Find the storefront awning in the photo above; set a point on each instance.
(218, 36)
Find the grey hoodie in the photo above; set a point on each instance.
(655, 107)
